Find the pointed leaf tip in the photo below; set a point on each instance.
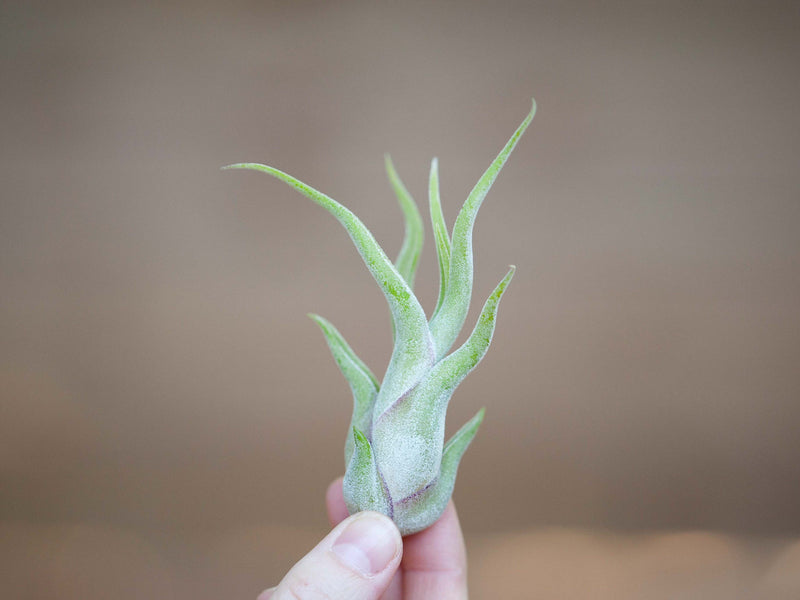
(362, 486)
(440, 235)
(463, 437)
(359, 437)
(408, 257)
(446, 324)
(363, 384)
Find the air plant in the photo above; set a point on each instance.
(395, 457)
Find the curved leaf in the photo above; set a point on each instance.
(408, 258)
(413, 349)
(447, 324)
(362, 382)
(417, 512)
(363, 488)
(440, 235)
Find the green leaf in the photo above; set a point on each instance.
(440, 235)
(362, 382)
(363, 488)
(408, 258)
(451, 370)
(405, 434)
(413, 348)
(457, 445)
(417, 512)
(447, 324)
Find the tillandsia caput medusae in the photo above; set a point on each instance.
(395, 457)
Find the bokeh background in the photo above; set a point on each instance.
(170, 418)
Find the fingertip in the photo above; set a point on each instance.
(266, 594)
(334, 488)
(357, 559)
(334, 502)
(435, 560)
(440, 546)
(369, 543)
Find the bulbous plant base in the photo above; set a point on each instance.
(364, 488)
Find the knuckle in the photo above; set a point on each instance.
(301, 588)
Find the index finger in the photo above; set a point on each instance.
(435, 560)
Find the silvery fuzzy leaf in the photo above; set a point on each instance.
(362, 485)
(408, 258)
(447, 323)
(413, 349)
(421, 510)
(362, 382)
(408, 436)
(440, 235)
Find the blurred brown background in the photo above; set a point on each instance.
(171, 418)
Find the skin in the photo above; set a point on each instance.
(431, 564)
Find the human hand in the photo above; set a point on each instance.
(364, 558)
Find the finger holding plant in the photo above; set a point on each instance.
(396, 460)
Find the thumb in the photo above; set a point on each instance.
(355, 561)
